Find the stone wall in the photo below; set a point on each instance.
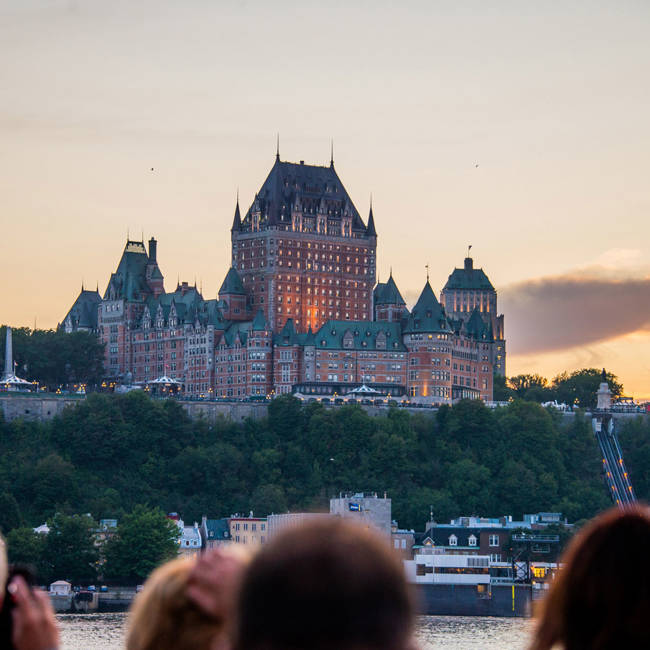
(236, 411)
(34, 407)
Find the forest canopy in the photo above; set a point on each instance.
(112, 453)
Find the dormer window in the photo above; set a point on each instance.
(453, 540)
(472, 540)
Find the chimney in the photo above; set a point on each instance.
(469, 263)
(153, 244)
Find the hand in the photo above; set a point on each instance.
(214, 580)
(34, 624)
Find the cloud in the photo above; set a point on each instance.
(562, 312)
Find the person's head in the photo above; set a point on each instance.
(601, 598)
(326, 585)
(4, 569)
(164, 617)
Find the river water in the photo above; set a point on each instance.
(106, 632)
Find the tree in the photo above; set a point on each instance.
(501, 392)
(50, 483)
(70, 550)
(10, 516)
(531, 387)
(145, 538)
(54, 357)
(268, 499)
(24, 546)
(581, 386)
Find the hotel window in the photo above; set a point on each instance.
(494, 540)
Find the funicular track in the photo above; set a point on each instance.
(616, 475)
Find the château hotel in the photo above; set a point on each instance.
(298, 311)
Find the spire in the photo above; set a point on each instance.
(236, 222)
(277, 148)
(332, 153)
(370, 229)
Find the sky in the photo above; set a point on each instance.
(520, 128)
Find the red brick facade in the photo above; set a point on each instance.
(298, 311)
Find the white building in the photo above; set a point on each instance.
(434, 566)
(60, 588)
(278, 523)
(365, 508)
(190, 539)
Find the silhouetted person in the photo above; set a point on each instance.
(601, 598)
(33, 624)
(328, 585)
(187, 604)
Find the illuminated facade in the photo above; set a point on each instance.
(302, 250)
(298, 310)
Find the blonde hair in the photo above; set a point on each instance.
(163, 617)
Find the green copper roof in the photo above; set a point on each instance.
(232, 284)
(309, 338)
(312, 187)
(259, 322)
(427, 315)
(469, 278)
(476, 327)
(129, 280)
(359, 335)
(83, 313)
(288, 335)
(237, 327)
(388, 293)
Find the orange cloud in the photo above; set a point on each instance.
(561, 312)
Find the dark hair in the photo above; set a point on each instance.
(601, 598)
(325, 585)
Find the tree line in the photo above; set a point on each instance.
(75, 549)
(577, 388)
(55, 358)
(114, 452)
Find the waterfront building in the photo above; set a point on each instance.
(214, 532)
(250, 530)
(492, 536)
(366, 508)
(298, 310)
(434, 566)
(403, 540)
(190, 542)
(290, 520)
